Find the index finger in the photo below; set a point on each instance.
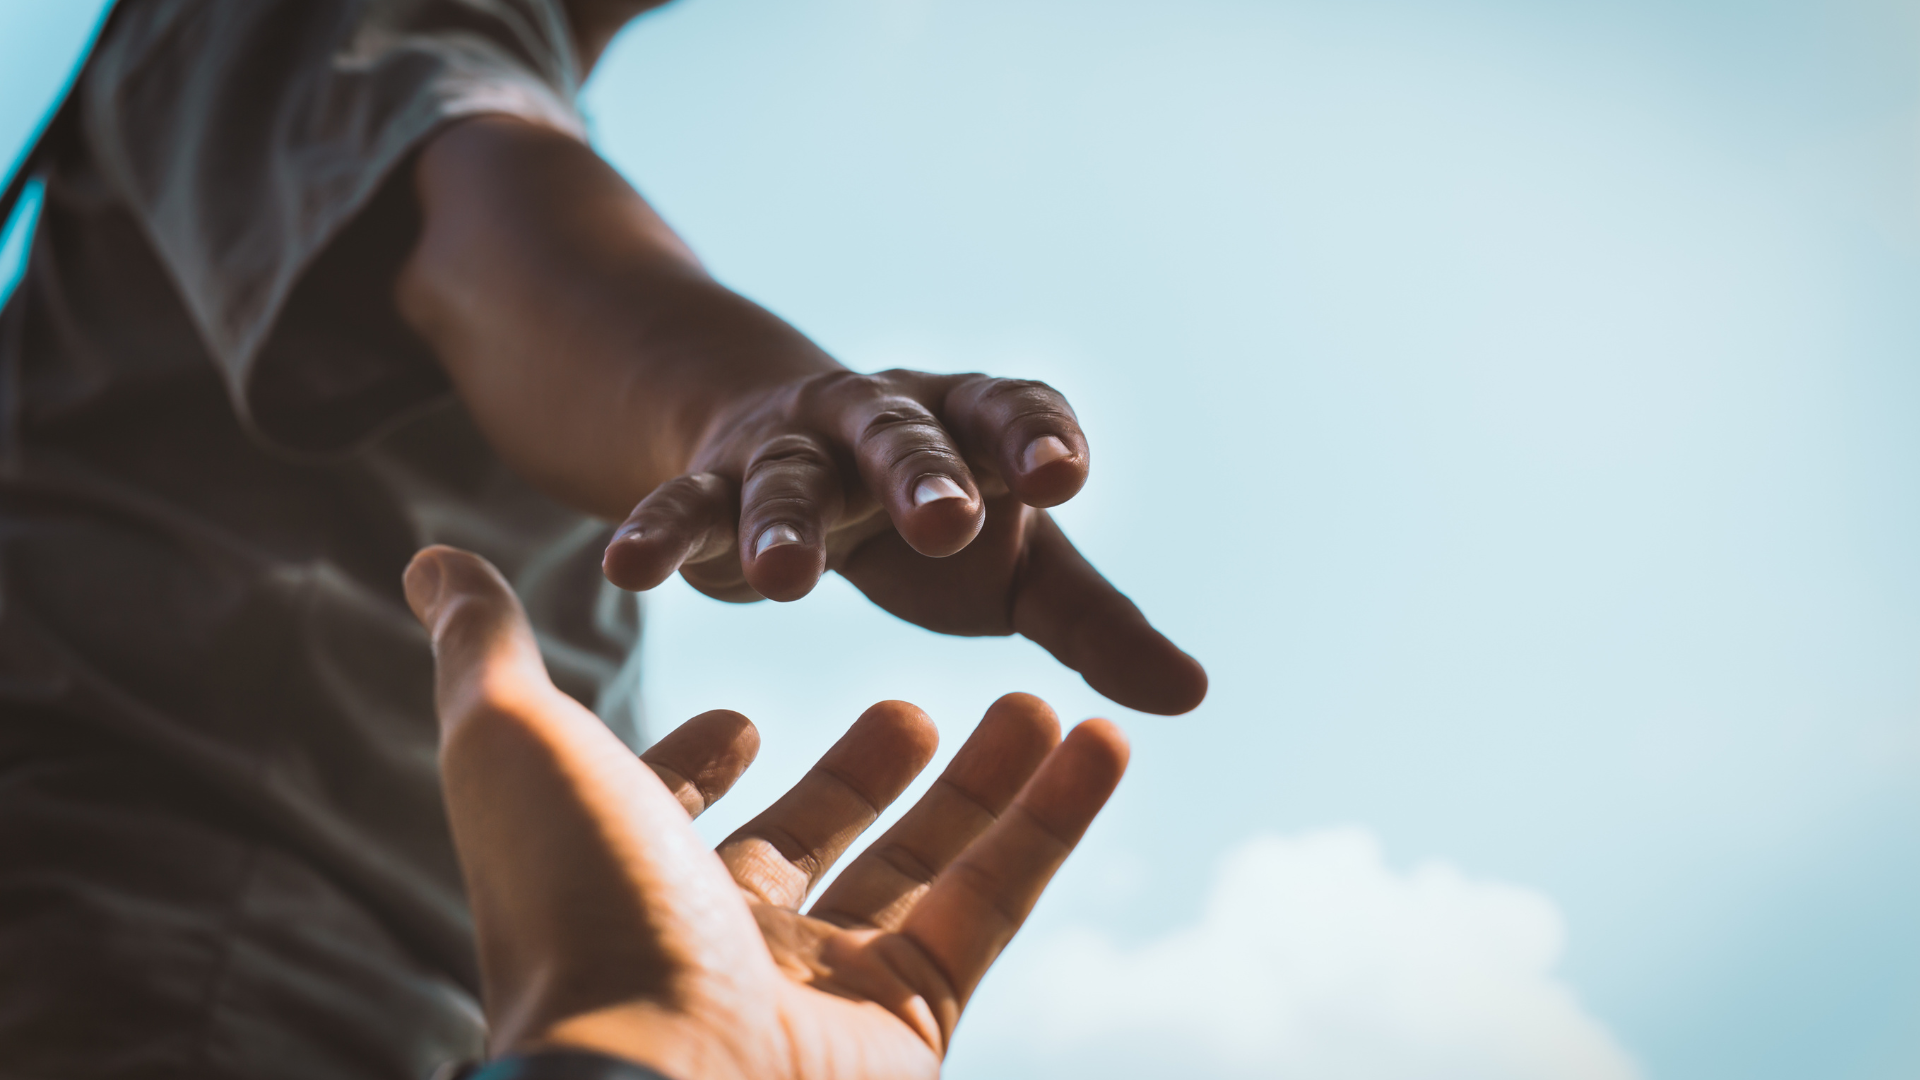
(700, 760)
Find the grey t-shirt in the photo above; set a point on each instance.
(219, 445)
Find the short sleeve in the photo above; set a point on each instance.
(247, 135)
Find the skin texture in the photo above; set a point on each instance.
(603, 924)
(606, 366)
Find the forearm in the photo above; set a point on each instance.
(604, 365)
(590, 346)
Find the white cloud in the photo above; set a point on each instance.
(1313, 960)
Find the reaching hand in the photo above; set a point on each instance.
(603, 924)
(925, 491)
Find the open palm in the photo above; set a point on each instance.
(603, 923)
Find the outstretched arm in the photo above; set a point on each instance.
(608, 368)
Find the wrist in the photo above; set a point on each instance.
(725, 361)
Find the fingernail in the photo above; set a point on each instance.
(935, 488)
(774, 536)
(624, 532)
(1044, 450)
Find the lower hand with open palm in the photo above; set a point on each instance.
(604, 924)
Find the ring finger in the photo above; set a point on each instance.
(880, 887)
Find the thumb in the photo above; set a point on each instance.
(576, 857)
(1063, 604)
(483, 646)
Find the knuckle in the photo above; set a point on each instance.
(792, 507)
(836, 391)
(915, 460)
(792, 477)
(790, 451)
(905, 862)
(915, 448)
(989, 407)
(910, 379)
(1034, 422)
(1023, 400)
(1018, 389)
(988, 391)
(989, 888)
(688, 492)
(901, 419)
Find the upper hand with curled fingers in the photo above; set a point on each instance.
(928, 493)
(604, 924)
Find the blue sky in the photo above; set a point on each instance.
(1512, 404)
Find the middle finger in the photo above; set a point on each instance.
(906, 458)
(779, 855)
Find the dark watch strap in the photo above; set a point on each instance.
(554, 1065)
